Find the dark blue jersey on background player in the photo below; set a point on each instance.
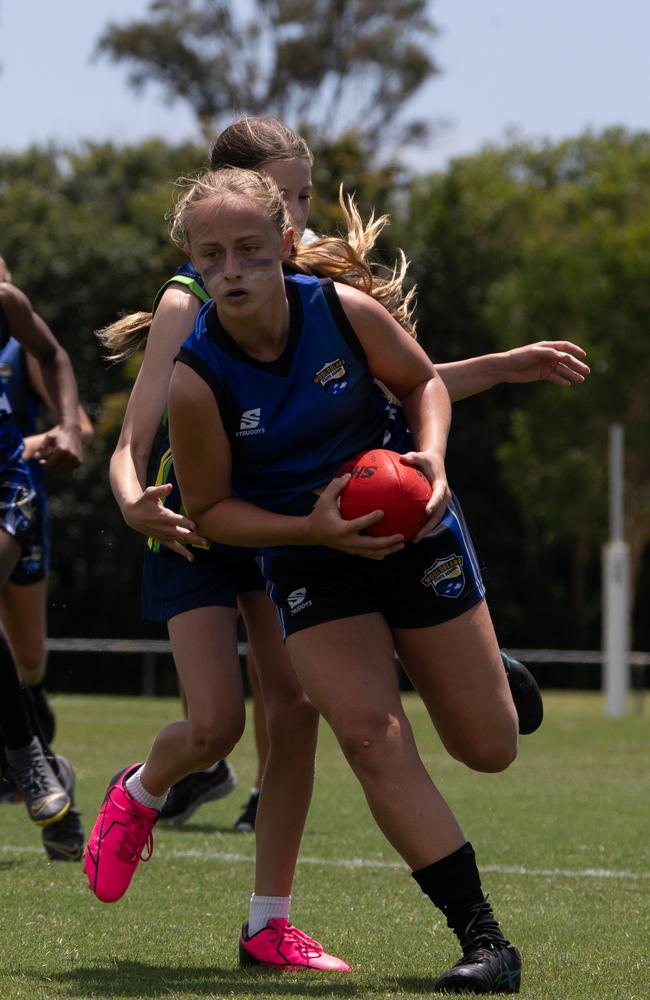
(45, 781)
(23, 600)
(257, 367)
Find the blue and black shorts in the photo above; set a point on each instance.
(34, 564)
(171, 585)
(20, 511)
(422, 585)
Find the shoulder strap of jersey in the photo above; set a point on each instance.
(181, 279)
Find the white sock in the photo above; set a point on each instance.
(265, 908)
(135, 788)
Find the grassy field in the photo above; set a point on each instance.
(562, 840)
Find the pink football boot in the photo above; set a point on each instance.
(122, 831)
(279, 945)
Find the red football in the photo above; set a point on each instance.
(382, 481)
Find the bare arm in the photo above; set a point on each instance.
(557, 361)
(36, 337)
(141, 505)
(38, 446)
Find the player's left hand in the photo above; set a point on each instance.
(432, 465)
(556, 361)
(62, 450)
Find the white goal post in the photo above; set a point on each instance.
(616, 588)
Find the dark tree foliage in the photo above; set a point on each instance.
(527, 243)
(85, 237)
(331, 65)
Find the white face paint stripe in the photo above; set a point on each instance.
(361, 863)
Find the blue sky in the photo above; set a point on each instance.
(548, 69)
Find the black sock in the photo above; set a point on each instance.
(40, 713)
(453, 884)
(15, 722)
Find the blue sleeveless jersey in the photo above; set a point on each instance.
(11, 440)
(292, 422)
(26, 404)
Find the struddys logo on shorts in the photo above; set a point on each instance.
(297, 600)
(332, 377)
(446, 576)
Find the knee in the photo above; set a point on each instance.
(370, 741)
(489, 753)
(292, 721)
(212, 740)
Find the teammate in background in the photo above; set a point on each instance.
(23, 601)
(266, 345)
(45, 780)
(199, 591)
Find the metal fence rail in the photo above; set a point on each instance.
(149, 649)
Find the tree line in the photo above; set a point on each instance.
(514, 244)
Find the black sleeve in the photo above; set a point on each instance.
(229, 409)
(341, 320)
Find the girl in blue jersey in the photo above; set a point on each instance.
(202, 632)
(45, 788)
(256, 378)
(23, 601)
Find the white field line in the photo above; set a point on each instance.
(360, 863)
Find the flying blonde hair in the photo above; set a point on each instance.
(341, 259)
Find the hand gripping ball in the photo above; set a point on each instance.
(381, 480)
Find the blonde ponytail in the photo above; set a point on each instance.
(126, 336)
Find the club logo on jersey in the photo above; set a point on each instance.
(297, 600)
(250, 423)
(446, 576)
(332, 377)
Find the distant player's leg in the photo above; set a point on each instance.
(23, 611)
(245, 822)
(45, 798)
(64, 840)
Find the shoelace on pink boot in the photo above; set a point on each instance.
(138, 835)
(307, 947)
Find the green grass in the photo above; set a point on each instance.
(576, 800)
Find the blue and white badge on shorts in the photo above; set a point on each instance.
(446, 576)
